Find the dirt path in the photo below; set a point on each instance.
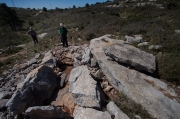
(13, 55)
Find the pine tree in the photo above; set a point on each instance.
(8, 16)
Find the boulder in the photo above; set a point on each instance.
(63, 80)
(1, 80)
(32, 61)
(78, 56)
(177, 31)
(143, 44)
(86, 56)
(76, 62)
(20, 66)
(49, 60)
(89, 113)
(68, 103)
(41, 36)
(93, 62)
(57, 96)
(3, 103)
(44, 112)
(84, 88)
(131, 56)
(114, 110)
(154, 47)
(37, 56)
(5, 95)
(37, 87)
(134, 85)
(136, 39)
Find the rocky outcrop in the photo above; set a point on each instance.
(131, 56)
(49, 60)
(84, 88)
(50, 87)
(133, 83)
(38, 86)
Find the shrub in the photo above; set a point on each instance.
(86, 5)
(172, 5)
(169, 67)
(81, 27)
(30, 23)
(90, 36)
(44, 9)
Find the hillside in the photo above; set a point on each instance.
(157, 22)
(146, 32)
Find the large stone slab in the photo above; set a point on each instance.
(134, 84)
(84, 88)
(37, 87)
(49, 60)
(89, 113)
(114, 110)
(46, 112)
(43, 112)
(129, 55)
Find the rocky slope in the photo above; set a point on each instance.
(73, 83)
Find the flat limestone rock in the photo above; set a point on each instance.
(129, 55)
(84, 88)
(133, 83)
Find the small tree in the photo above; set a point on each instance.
(9, 17)
(44, 9)
(87, 5)
(74, 7)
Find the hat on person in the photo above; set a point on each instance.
(61, 24)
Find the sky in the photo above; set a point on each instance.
(39, 4)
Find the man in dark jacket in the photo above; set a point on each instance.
(63, 33)
(33, 35)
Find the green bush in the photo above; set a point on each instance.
(169, 67)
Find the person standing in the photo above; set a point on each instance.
(32, 33)
(63, 33)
